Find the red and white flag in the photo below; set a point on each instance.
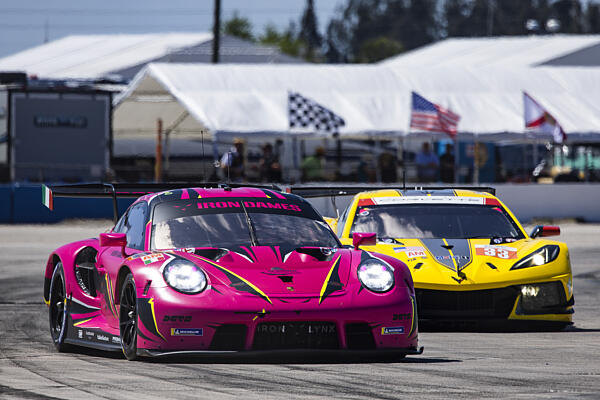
(539, 120)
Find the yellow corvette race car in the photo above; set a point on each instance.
(470, 258)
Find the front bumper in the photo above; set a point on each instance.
(303, 353)
(241, 323)
(549, 301)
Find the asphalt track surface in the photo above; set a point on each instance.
(455, 364)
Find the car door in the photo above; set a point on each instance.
(111, 259)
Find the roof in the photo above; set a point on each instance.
(208, 193)
(374, 100)
(419, 194)
(506, 51)
(123, 55)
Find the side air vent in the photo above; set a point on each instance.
(85, 267)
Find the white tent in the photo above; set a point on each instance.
(95, 56)
(373, 100)
(506, 51)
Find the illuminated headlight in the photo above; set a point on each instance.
(540, 257)
(376, 275)
(530, 290)
(184, 277)
(540, 297)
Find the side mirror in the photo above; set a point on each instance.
(114, 240)
(545, 230)
(363, 239)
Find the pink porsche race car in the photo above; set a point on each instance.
(221, 268)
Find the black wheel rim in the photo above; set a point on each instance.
(128, 317)
(57, 306)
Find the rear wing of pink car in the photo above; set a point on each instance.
(130, 190)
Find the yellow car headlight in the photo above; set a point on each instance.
(539, 257)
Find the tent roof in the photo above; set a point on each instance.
(373, 100)
(94, 56)
(506, 51)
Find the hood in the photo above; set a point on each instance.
(276, 272)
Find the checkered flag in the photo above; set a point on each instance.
(304, 113)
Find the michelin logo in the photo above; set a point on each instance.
(392, 330)
(187, 332)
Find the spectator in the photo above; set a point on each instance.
(312, 166)
(387, 167)
(232, 162)
(447, 165)
(268, 165)
(427, 164)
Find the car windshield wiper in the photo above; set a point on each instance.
(253, 240)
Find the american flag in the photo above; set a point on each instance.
(428, 116)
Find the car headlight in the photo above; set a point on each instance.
(376, 275)
(539, 257)
(185, 277)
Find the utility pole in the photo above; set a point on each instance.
(216, 32)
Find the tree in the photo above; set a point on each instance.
(287, 40)
(239, 27)
(309, 33)
(378, 49)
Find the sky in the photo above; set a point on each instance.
(28, 23)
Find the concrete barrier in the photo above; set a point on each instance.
(22, 203)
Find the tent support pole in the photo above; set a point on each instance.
(158, 156)
(475, 165)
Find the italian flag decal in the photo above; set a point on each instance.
(47, 197)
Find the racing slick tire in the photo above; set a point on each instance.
(128, 318)
(57, 310)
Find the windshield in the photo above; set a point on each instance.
(449, 221)
(233, 222)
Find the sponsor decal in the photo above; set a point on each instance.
(79, 333)
(392, 330)
(102, 338)
(411, 251)
(248, 204)
(498, 240)
(364, 213)
(152, 258)
(186, 250)
(502, 252)
(177, 318)
(116, 340)
(187, 332)
(402, 317)
(449, 257)
(428, 199)
(89, 334)
(136, 255)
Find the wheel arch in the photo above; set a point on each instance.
(53, 261)
(123, 272)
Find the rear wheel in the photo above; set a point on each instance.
(57, 312)
(128, 319)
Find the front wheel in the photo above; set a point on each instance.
(57, 312)
(128, 319)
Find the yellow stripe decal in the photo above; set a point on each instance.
(327, 279)
(151, 302)
(451, 255)
(83, 322)
(236, 275)
(111, 304)
(412, 316)
(47, 302)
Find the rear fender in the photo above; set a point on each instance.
(67, 254)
